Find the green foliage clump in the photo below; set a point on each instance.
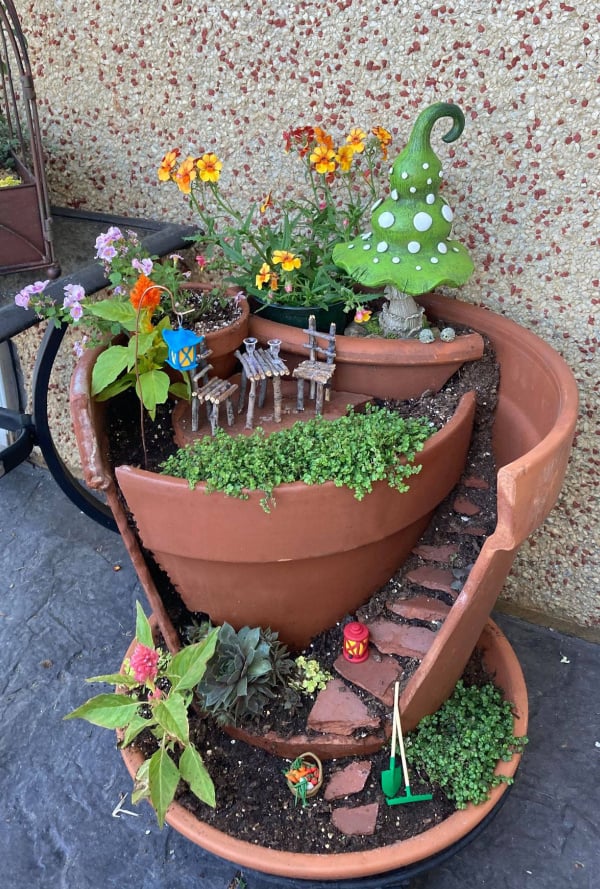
(310, 676)
(248, 669)
(459, 746)
(355, 450)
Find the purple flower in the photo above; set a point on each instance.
(76, 311)
(106, 252)
(39, 286)
(78, 346)
(74, 293)
(144, 266)
(23, 297)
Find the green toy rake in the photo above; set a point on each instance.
(390, 778)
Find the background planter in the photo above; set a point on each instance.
(225, 341)
(318, 554)
(400, 857)
(23, 242)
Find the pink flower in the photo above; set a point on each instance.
(74, 293)
(362, 315)
(76, 311)
(144, 266)
(144, 663)
(201, 260)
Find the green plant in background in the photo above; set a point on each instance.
(249, 668)
(8, 144)
(159, 692)
(311, 677)
(459, 746)
(355, 450)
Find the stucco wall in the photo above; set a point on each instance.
(119, 84)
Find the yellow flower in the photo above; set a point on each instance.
(385, 137)
(209, 167)
(264, 275)
(266, 203)
(362, 315)
(345, 154)
(185, 175)
(289, 261)
(168, 164)
(324, 159)
(322, 137)
(274, 283)
(356, 139)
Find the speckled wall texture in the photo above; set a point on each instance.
(119, 84)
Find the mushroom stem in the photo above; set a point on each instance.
(400, 316)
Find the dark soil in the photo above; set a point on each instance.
(253, 801)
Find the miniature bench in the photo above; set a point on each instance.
(318, 373)
(259, 366)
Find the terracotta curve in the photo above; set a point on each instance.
(318, 545)
(533, 433)
(380, 367)
(225, 341)
(501, 660)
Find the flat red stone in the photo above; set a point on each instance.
(474, 482)
(436, 553)
(432, 578)
(464, 506)
(400, 639)
(350, 780)
(356, 821)
(420, 608)
(375, 676)
(339, 711)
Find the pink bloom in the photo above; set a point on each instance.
(144, 663)
(144, 266)
(155, 695)
(74, 293)
(23, 297)
(362, 315)
(201, 260)
(288, 287)
(76, 311)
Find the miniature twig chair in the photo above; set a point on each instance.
(318, 373)
(212, 393)
(258, 366)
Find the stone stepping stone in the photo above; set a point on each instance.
(472, 481)
(464, 506)
(419, 608)
(375, 676)
(356, 820)
(436, 553)
(347, 781)
(399, 639)
(432, 578)
(339, 711)
(467, 528)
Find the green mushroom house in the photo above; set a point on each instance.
(409, 250)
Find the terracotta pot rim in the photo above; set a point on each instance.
(348, 865)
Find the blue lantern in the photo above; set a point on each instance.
(182, 345)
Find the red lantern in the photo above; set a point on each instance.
(356, 642)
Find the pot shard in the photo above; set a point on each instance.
(318, 554)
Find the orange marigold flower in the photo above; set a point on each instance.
(345, 154)
(144, 294)
(185, 175)
(168, 164)
(274, 283)
(323, 159)
(289, 261)
(322, 137)
(209, 167)
(356, 139)
(264, 275)
(384, 137)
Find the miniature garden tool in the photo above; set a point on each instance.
(407, 796)
(391, 778)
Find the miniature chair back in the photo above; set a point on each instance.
(318, 372)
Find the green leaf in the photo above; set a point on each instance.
(115, 679)
(180, 390)
(171, 715)
(163, 778)
(108, 711)
(153, 389)
(112, 310)
(188, 665)
(141, 786)
(109, 364)
(140, 344)
(135, 727)
(196, 774)
(143, 631)
(125, 382)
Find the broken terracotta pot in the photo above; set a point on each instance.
(395, 860)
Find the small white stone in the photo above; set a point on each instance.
(426, 336)
(448, 334)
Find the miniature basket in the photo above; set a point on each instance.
(310, 759)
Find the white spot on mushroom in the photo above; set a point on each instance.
(422, 221)
(404, 174)
(377, 203)
(429, 181)
(430, 199)
(455, 250)
(375, 259)
(366, 236)
(387, 219)
(382, 247)
(350, 246)
(366, 246)
(412, 189)
(441, 175)
(418, 268)
(447, 213)
(394, 194)
(413, 246)
(395, 260)
(442, 247)
(434, 259)
(425, 166)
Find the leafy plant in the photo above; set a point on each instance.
(280, 251)
(355, 450)
(459, 746)
(310, 677)
(250, 667)
(159, 692)
(8, 144)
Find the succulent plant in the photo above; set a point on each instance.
(249, 668)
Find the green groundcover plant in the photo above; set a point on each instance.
(355, 450)
(460, 746)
